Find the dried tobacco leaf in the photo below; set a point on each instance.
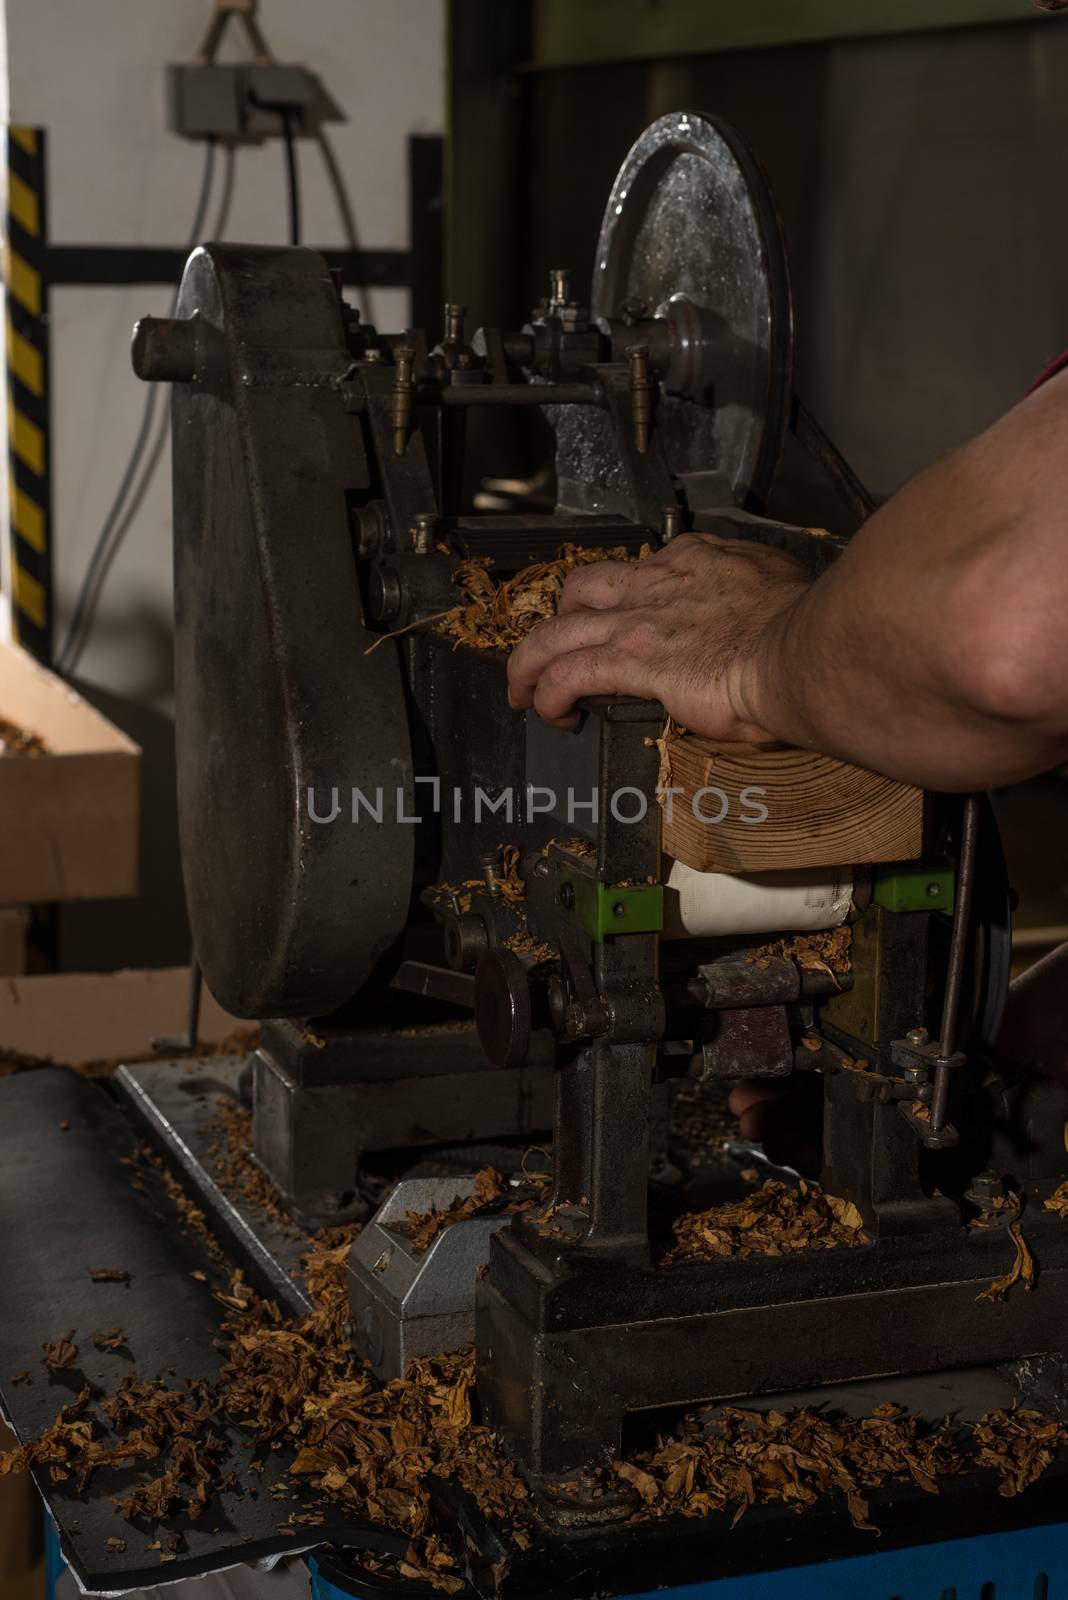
(1023, 1269)
(60, 1354)
(109, 1274)
(111, 1339)
(497, 615)
(815, 952)
(671, 731)
(1058, 1201)
(734, 1459)
(1019, 1445)
(772, 1221)
(423, 1227)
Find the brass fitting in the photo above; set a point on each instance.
(641, 395)
(454, 322)
(402, 398)
(670, 523)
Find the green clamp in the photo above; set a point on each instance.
(603, 908)
(916, 886)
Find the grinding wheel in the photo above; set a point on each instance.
(275, 695)
(690, 233)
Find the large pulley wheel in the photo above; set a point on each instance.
(280, 713)
(691, 234)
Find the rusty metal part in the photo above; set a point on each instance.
(734, 981)
(748, 1042)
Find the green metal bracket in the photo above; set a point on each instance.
(603, 908)
(917, 886)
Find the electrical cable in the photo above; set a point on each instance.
(121, 514)
(344, 204)
(292, 175)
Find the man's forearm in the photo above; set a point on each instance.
(933, 650)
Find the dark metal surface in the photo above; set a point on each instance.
(72, 1194)
(288, 915)
(690, 213)
(622, 1339)
(177, 1105)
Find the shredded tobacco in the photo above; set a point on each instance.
(737, 1458)
(1024, 1269)
(497, 614)
(1058, 1201)
(372, 1449)
(815, 952)
(232, 1166)
(423, 1227)
(772, 1221)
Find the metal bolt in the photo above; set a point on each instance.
(373, 354)
(917, 1036)
(402, 397)
(619, 909)
(422, 533)
(454, 321)
(934, 890)
(559, 286)
(641, 395)
(490, 865)
(670, 524)
(567, 896)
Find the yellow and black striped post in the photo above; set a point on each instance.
(26, 285)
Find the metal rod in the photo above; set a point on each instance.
(521, 394)
(957, 950)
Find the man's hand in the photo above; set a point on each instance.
(681, 627)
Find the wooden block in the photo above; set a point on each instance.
(769, 807)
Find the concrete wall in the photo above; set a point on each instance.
(92, 73)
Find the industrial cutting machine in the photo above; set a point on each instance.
(376, 847)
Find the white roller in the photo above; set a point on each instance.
(709, 904)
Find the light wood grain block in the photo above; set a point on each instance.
(819, 812)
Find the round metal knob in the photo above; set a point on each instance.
(502, 1008)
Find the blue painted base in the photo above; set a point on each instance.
(1031, 1564)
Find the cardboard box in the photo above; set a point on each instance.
(68, 818)
(73, 1018)
(20, 1523)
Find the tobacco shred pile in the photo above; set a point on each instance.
(292, 1385)
(772, 1221)
(16, 741)
(497, 614)
(815, 952)
(737, 1459)
(422, 1227)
